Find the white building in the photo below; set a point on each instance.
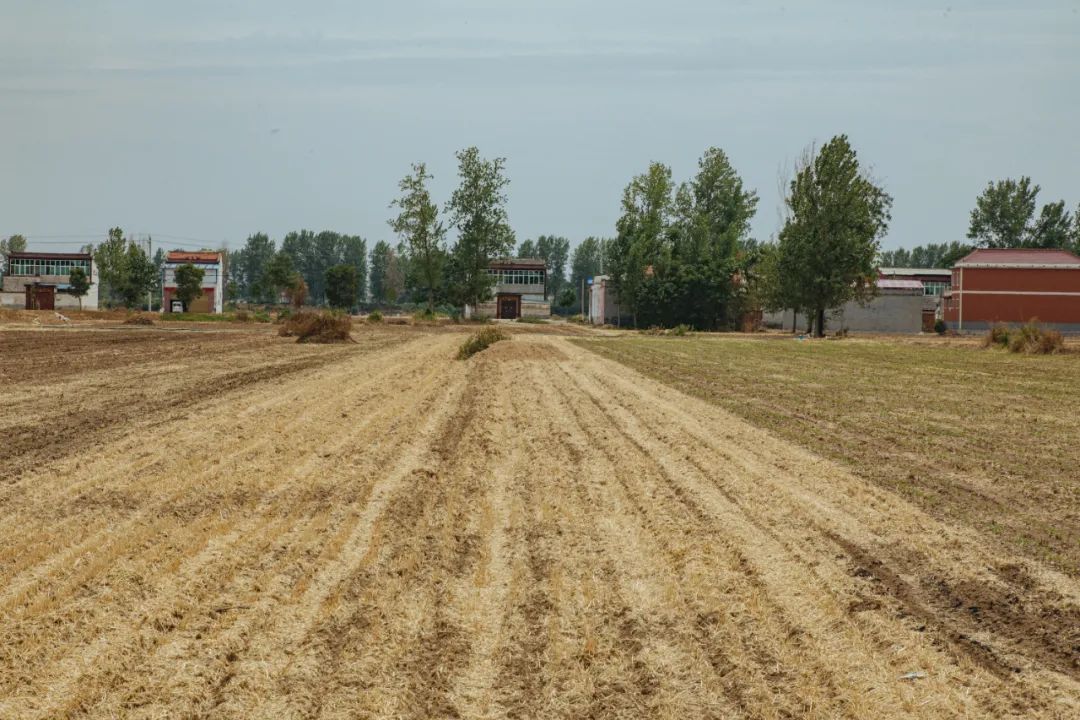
(42, 281)
(213, 284)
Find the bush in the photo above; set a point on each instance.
(374, 317)
(243, 316)
(481, 341)
(425, 316)
(1031, 339)
(309, 326)
(939, 327)
(997, 335)
(680, 330)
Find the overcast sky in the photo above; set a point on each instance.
(213, 119)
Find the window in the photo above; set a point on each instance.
(934, 288)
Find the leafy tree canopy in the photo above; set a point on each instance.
(477, 210)
(188, 284)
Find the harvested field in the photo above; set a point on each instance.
(257, 528)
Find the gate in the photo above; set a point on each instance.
(40, 297)
(509, 307)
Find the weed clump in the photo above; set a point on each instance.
(680, 330)
(243, 316)
(311, 326)
(480, 341)
(532, 320)
(139, 320)
(374, 317)
(1030, 339)
(998, 335)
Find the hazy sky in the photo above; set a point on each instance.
(213, 119)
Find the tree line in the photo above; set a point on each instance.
(1004, 216)
(681, 254)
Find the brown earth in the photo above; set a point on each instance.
(253, 528)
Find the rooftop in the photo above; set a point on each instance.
(178, 256)
(890, 284)
(519, 263)
(914, 271)
(47, 256)
(1019, 257)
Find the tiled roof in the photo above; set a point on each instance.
(1018, 256)
(178, 256)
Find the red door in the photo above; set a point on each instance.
(40, 298)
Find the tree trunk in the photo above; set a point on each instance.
(795, 321)
(821, 322)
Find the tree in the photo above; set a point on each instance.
(341, 284)
(380, 264)
(250, 266)
(586, 262)
(80, 283)
(943, 255)
(109, 256)
(354, 253)
(1004, 217)
(1076, 231)
(278, 275)
(527, 249)
(1054, 227)
(554, 251)
(567, 298)
(418, 226)
(641, 248)
(15, 243)
(296, 291)
(830, 241)
(477, 210)
(188, 284)
(136, 276)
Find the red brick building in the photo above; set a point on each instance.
(1013, 286)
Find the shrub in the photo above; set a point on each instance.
(309, 326)
(480, 341)
(374, 317)
(1031, 338)
(425, 316)
(939, 327)
(243, 316)
(677, 331)
(1050, 343)
(997, 335)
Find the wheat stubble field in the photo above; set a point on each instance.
(230, 525)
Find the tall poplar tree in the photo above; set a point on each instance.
(829, 244)
(477, 210)
(418, 226)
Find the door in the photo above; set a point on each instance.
(40, 298)
(509, 307)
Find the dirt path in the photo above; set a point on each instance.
(537, 532)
